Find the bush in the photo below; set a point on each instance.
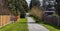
(54, 15)
(36, 12)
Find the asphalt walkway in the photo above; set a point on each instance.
(32, 26)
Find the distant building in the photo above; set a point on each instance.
(47, 2)
(48, 6)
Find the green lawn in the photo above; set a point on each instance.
(20, 25)
(48, 26)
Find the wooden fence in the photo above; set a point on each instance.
(52, 20)
(4, 20)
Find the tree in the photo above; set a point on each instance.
(11, 5)
(34, 3)
(57, 7)
(17, 5)
(25, 5)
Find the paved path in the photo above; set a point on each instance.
(32, 26)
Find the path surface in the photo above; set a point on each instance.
(32, 26)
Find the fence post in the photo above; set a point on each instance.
(58, 21)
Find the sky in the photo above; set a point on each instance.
(28, 1)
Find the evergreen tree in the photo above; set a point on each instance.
(34, 3)
(17, 5)
(57, 6)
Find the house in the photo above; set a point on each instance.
(50, 15)
(48, 4)
(4, 14)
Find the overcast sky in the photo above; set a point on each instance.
(28, 1)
